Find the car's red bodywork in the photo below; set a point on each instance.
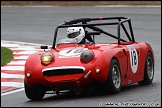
(131, 57)
(103, 55)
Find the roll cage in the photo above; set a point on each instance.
(84, 23)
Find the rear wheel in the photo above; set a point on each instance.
(149, 70)
(34, 93)
(114, 77)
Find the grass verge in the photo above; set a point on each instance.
(6, 55)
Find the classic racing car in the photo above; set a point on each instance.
(84, 53)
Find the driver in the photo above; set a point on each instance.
(78, 33)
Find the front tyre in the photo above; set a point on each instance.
(149, 70)
(114, 77)
(34, 93)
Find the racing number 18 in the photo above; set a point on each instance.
(134, 58)
(72, 51)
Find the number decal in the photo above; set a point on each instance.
(78, 50)
(70, 53)
(133, 58)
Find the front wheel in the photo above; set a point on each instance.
(34, 93)
(114, 77)
(149, 70)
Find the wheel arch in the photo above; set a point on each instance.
(145, 49)
(114, 57)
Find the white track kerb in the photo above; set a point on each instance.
(12, 74)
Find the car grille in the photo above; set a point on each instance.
(62, 71)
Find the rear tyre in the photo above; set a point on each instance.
(114, 77)
(149, 70)
(34, 93)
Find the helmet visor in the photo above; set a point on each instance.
(73, 35)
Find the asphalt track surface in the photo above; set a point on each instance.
(37, 24)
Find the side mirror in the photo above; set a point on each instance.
(44, 47)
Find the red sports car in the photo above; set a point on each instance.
(86, 52)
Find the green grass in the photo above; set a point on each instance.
(6, 55)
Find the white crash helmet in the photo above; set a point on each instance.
(77, 33)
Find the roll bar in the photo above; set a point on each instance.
(84, 21)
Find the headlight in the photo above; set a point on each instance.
(86, 56)
(47, 58)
